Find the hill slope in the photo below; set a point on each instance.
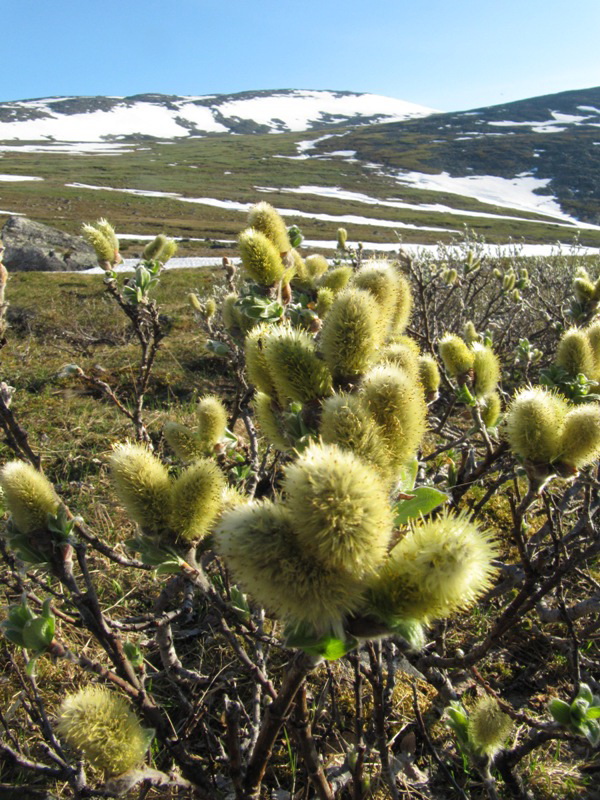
(524, 171)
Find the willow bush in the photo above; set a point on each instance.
(398, 492)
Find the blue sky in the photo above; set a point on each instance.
(446, 54)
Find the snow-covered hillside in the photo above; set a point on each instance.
(98, 119)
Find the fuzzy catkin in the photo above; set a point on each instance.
(397, 404)
(212, 421)
(183, 441)
(488, 727)
(294, 367)
(580, 441)
(316, 265)
(264, 218)
(339, 509)
(487, 369)
(429, 374)
(491, 408)
(575, 354)
(142, 485)
(336, 279)
(404, 303)
(260, 257)
(29, 496)
(440, 566)
(269, 423)
(345, 422)
(256, 361)
(534, 424)
(456, 356)
(197, 499)
(102, 726)
(382, 281)
(259, 545)
(402, 355)
(351, 334)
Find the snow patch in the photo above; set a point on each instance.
(358, 197)
(296, 111)
(12, 178)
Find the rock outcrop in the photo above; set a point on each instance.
(31, 246)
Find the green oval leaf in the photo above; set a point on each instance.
(425, 499)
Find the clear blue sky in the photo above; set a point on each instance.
(446, 54)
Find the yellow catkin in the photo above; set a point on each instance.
(440, 567)
(260, 548)
(264, 218)
(142, 485)
(535, 422)
(29, 496)
(339, 508)
(102, 726)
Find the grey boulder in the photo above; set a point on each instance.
(31, 246)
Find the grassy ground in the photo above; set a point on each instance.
(231, 168)
(65, 319)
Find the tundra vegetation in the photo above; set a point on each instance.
(304, 527)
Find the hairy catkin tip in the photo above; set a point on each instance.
(264, 218)
(29, 496)
(440, 567)
(142, 485)
(339, 509)
(101, 725)
(534, 424)
(488, 727)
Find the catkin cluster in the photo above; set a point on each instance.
(475, 366)
(319, 555)
(360, 383)
(549, 433)
(578, 351)
(170, 510)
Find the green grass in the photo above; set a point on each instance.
(230, 168)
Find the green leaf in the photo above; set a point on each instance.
(591, 731)
(168, 568)
(13, 633)
(425, 499)
(585, 693)
(38, 633)
(239, 602)
(560, 711)
(328, 646)
(408, 475)
(593, 712)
